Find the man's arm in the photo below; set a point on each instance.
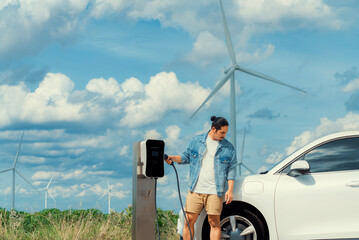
(229, 194)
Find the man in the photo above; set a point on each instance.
(212, 160)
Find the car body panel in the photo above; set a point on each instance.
(317, 206)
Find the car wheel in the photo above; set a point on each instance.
(235, 222)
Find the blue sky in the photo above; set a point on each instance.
(86, 79)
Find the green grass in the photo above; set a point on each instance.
(77, 224)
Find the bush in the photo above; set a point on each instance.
(77, 224)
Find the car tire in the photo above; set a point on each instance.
(243, 218)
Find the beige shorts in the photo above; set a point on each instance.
(195, 203)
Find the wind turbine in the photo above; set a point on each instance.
(229, 75)
(241, 156)
(108, 191)
(13, 169)
(47, 192)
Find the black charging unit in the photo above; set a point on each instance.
(152, 154)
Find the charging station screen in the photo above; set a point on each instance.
(155, 156)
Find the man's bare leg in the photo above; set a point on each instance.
(192, 218)
(215, 222)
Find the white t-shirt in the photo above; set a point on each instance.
(206, 181)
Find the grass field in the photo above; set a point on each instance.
(77, 224)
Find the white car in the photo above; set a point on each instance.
(311, 194)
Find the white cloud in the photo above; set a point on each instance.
(44, 175)
(352, 86)
(49, 102)
(258, 56)
(152, 134)
(132, 86)
(107, 88)
(103, 8)
(86, 190)
(207, 49)
(164, 92)
(308, 12)
(76, 174)
(29, 25)
(6, 191)
(124, 150)
(348, 123)
(262, 169)
(70, 175)
(175, 13)
(163, 180)
(65, 192)
(45, 22)
(55, 101)
(173, 138)
(206, 128)
(32, 159)
(275, 158)
(100, 172)
(19, 189)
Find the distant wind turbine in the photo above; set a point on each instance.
(229, 74)
(13, 169)
(47, 192)
(241, 156)
(108, 192)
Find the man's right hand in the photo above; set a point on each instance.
(169, 160)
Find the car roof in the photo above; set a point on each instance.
(311, 145)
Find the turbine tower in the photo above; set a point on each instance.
(47, 192)
(108, 191)
(13, 169)
(229, 75)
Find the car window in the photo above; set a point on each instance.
(338, 155)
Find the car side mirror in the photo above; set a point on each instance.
(298, 168)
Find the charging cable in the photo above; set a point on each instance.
(179, 195)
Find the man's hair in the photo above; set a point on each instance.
(218, 122)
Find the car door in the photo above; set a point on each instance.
(324, 203)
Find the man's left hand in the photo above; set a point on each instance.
(228, 197)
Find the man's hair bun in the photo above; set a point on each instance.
(218, 122)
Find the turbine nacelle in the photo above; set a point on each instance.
(230, 68)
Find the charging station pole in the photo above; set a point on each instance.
(143, 200)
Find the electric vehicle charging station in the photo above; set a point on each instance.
(148, 164)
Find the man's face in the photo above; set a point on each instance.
(220, 133)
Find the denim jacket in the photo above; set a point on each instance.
(225, 162)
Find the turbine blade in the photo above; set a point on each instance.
(215, 90)
(231, 52)
(266, 77)
(242, 147)
(6, 170)
(49, 183)
(18, 149)
(51, 196)
(102, 195)
(27, 180)
(248, 168)
(108, 184)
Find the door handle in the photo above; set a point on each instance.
(353, 184)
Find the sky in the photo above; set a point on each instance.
(86, 79)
